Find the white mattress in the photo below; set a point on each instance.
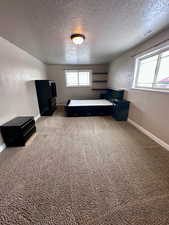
(96, 102)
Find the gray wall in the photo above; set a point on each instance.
(56, 73)
(148, 109)
(18, 69)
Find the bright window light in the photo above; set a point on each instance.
(76, 78)
(153, 71)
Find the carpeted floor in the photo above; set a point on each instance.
(85, 171)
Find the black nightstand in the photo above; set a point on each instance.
(120, 109)
(17, 131)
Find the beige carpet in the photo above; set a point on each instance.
(85, 171)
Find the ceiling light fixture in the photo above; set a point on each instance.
(77, 39)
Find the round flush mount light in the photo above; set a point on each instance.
(77, 39)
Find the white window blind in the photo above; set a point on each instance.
(76, 78)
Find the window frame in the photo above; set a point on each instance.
(138, 59)
(79, 70)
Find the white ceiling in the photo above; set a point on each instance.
(43, 27)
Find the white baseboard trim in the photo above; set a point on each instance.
(2, 147)
(37, 117)
(149, 134)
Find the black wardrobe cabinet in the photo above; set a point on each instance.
(120, 110)
(46, 93)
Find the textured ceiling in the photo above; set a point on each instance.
(43, 27)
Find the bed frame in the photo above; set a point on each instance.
(110, 95)
(88, 110)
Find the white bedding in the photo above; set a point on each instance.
(96, 102)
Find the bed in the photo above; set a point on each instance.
(93, 107)
(88, 107)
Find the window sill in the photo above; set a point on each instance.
(151, 90)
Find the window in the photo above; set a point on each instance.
(76, 78)
(152, 71)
